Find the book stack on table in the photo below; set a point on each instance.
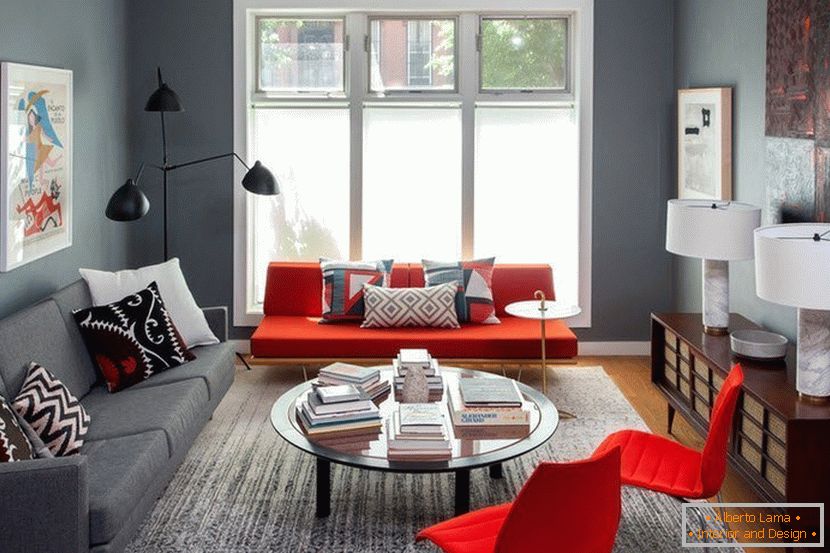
(420, 358)
(418, 431)
(490, 402)
(366, 378)
(343, 415)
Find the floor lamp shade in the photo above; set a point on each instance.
(128, 203)
(716, 232)
(792, 267)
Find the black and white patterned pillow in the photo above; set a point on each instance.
(428, 307)
(132, 339)
(14, 445)
(52, 411)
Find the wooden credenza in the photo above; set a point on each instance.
(780, 443)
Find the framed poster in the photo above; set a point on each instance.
(704, 143)
(35, 163)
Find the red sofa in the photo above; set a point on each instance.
(290, 333)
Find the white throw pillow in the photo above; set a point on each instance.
(106, 287)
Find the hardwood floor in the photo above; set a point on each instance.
(632, 376)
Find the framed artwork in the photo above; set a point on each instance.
(704, 143)
(797, 121)
(35, 163)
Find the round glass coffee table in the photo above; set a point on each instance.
(471, 447)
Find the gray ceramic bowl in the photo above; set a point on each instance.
(758, 344)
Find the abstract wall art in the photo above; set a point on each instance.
(797, 111)
(35, 163)
(704, 143)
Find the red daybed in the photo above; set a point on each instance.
(290, 332)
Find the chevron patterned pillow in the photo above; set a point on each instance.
(52, 411)
(392, 307)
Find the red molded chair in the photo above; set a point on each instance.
(567, 507)
(656, 463)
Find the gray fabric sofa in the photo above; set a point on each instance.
(137, 438)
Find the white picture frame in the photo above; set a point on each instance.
(36, 153)
(704, 143)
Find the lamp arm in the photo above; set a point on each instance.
(203, 160)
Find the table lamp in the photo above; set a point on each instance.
(716, 232)
(792, 267)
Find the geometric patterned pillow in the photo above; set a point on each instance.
(54, 413)
(14, 445)
(343, 286)
(396, 307)
(474, 300)
(132, 339)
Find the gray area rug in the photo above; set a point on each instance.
(242, 489)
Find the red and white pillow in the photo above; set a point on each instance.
(52, 411)
(474, 300)
(343, 283)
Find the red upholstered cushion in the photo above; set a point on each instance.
(291, 336)
(511, 282)
(296, 288)
(568, 507)
(656, 463)
(663, 465)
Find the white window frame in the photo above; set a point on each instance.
(468, 95)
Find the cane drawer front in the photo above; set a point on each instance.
(762, 442)
(750, 453)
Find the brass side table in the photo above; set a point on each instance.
(542, 310)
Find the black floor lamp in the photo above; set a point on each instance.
(129, 203)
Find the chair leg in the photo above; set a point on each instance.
(244, 361)
(670, 417)
(305, 374)
(719, 499)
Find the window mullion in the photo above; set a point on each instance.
(357, 27)
(468, 88)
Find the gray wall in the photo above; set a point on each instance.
(632, 149)
(86, 36)
(723, 43)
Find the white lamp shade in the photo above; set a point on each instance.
(791, 268)
(694, 228)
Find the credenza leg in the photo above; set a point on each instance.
(323, 487)
(670, 417)
(462, 491)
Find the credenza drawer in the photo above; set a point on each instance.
(671, 357)
(752, 431)
(750, 453)
(776, 478)
(777, 427)
(753, 407)
(777, 452)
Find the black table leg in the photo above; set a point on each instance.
(324, 487)
(462, 491)
(495, 471)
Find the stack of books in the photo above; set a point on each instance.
(409, 358)
(366, 378)
(487, 402)
(418, 431)
(337, 414)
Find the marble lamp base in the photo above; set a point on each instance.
(813, 374)
(715, 297)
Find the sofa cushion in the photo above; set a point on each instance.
(39, 334)
(177, 408)
(213, 365)
(511, 282)
(54, 413)
(71, 298)
(295, 288)
(286, 337)
(121, 470)
(133, 338)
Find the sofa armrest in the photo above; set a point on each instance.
(45, 505)
(217, 318)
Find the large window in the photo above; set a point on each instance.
(417, 135)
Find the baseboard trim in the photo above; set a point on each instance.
(614, 348)
(585, 348)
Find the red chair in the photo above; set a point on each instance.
(567, 507)
(656, 463)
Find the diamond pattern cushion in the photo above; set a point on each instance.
(395, 307)
(474, 300)
(14, 445)
(343, 283)
(53, 411)
(132, 339)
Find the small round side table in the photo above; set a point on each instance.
(542, 310)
